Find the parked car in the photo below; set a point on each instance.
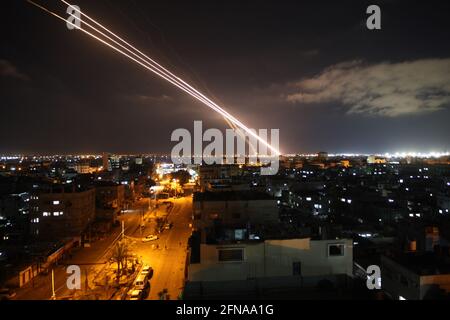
(148, 271)
(135, 294)
(141, 282)
(150, 237)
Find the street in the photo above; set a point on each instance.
(168, 264)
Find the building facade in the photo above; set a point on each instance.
(61, 213)
(273, 258)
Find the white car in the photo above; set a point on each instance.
(141, 282)
(136, 295)
(150, 237)
(148, 271)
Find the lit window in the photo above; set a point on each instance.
(46, 214)
(56, 202)
(213, 216)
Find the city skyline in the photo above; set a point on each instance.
(74, 96)
(241, 152)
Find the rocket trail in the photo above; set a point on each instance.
(151, 65)
(148, 65)
(160, 68)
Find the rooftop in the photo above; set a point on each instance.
(426, 264)
(245, 195)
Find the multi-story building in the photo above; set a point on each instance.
(110, 200)
(217, 174)
(61, 211)
(233, 208)
(109, 194)
(14, 217)
(240, 243)
(245, 260)
(110, 162)
(415, 276)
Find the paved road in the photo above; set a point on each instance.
(89, 259)
(169, 264)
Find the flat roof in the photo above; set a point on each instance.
(232, 196)
(423, 264)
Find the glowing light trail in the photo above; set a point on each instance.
(160, 68)
(156, 68)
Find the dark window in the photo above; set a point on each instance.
(236, 215)
(336, 249)
(403, 280)
(231, 254)
(297, 268)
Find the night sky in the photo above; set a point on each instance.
(310, 68)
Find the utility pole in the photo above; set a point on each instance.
(53, 285)
(141, 225)
(86, 281)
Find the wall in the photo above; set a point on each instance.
(78, 212)
(272, 258)
(397, 280)
(255, 211)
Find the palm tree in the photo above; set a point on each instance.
(120, 255)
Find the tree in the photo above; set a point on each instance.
(181, 175)
(120, 255)
(159, 224)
